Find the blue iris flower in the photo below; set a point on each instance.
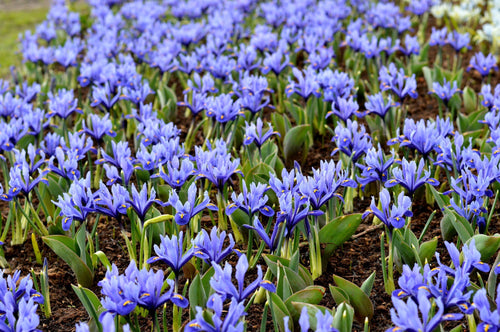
(483, 64)
(184, 212)
(254, 134)
(222, 283)
(211, 247)
(352, 142)
(170, 251)
(251, 201)
(393, 216)
(377, 105)
(410, 176)
(230, 323)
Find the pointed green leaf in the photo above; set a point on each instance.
(368, 284)
(294, 141)
(361, 303)
(83, 274)
(340, 229)
(427, 250)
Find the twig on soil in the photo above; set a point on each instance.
(368, 230)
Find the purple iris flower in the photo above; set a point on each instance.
(140, 201)
(67, 164)
(178, 172)
(377, 105)
(445, 91)
(138, 94)
(376, 167)
(306, 86)
(223, 109)
(197, 105)
(459, 40)
(211, 247)
(335, 84)
(419, 7)
(411, 45)
(112, 203)
(323, 321)
(247, 58)
(271, 242)
(19, 303)
(351, 141)
(251, 91)
(223, 285)
(32, 163)
(490, 319)
(345, 108)
(62, 104)
(216, 165)
(323, 185)
(393, 216)
(120, 291)
(203, 85)
(184, 212)
(483, 64)
(290, 182)
(251, 202)
(27, 92)
(438, 37)
(231, 320)
(321, 58)
(410, 176)
(293, 209)
(188, 64)
(171, 253)
(100, 127)
(105, 97)
(76, 203)
(416, 315)
(254, 134)
(11, 133)
(396, 80)
(151, 294)
(423, 136)
(20, 181)
(36, 121)
(274, 62)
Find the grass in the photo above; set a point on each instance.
(12, 23)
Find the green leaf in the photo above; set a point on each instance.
(57, 243)
(311, 295)
(104, 260)
(279, 309)
(90, 301)
(447, 228)
(368, 284)
(312, 310)
(462, 226)
(442, 200)
(340, 229)
(361, 303)
(80, 238)
(470, 100)
(428, 76)
(339, 295)
(197, 295)
(487, 245)
(427, 250)
(296, 281)
(404, 249)
(343, 318)
(294, 141)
